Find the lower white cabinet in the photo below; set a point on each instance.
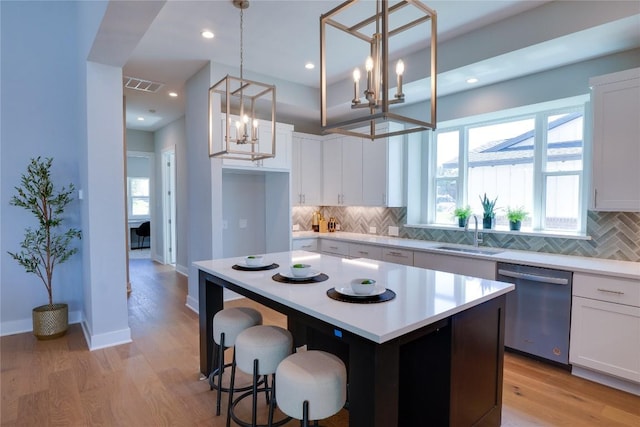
(398, 256)
(310, 245)
(605, 325)
(334, 247)
(481, 268)
(358, 250)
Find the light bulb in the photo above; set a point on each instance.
(356, 75)
(245, 119)
(400, 67)
(369, 63)
(255, 123)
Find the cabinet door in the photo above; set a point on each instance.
(296, 171)
(374, 172)
(616, 151)
(282, 160)
(305, 245)
(606, 337)
(352, 171)
(311, 171)
(332, 172)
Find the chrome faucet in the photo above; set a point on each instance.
(477, 237)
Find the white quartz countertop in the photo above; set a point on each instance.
(625, 269)
(422, 296)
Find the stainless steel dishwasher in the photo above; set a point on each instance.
(538, 312)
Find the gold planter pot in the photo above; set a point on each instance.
(50, 321)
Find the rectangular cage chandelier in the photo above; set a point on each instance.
(237, 129)
(374, 33)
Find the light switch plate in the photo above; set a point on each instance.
(394, 231)
(242, 223)
(372, 230)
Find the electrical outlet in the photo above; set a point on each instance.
(296, 227)
(372, 230)
(242, 223)
(394, 231)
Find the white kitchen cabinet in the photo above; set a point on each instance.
(342, 171)
(334, 247)
(310, 245)
(359, 250)
(616, 141)
(605, 325)
(383, 171)
(282, 160)
(398, 256)
(467, 266)
(306, 170)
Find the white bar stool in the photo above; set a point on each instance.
(227, 324)
(312, 385)
(259, 350)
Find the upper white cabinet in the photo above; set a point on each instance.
(282, 160)
(306, 170)
(342, 171)
(616, 141)
(383, 172)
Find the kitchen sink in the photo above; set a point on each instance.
(482, 251)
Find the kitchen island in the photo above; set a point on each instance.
(431, 356)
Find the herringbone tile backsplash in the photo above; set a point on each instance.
(614, 235)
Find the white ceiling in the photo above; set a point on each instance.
(281, 36)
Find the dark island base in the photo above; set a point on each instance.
(446, 373)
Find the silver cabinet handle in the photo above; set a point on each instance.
(611, 292)
(304, 199)
(533, 277)
(363, 252)
(395, 253)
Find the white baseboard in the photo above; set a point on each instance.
(182, 270)
(613, 382)
(20, 326)
(110, 339)
(192, 304)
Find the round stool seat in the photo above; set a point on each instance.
(232, 321)
(268, 344)
(317, 377)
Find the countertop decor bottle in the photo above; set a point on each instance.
(315, 221)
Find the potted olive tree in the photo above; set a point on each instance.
(46, 245)
(488, 211)
(463, 215)
(515, 217)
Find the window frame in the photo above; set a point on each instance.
(131, 198)
(540, 114)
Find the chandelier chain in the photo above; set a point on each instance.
(241, 42)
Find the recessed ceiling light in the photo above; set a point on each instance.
(141, 119)
(472, 80)
(173, 94)
(309, 66)
(207, 34)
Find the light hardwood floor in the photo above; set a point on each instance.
(154, 381)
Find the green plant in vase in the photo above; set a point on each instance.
(515, 217)
(463, 215)
(488, 211)
(45, 246)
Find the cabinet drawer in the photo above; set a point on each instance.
(611, 289)
(305, 245)
(357, 250)
(334, 247)
(456, 264)
(397, 256)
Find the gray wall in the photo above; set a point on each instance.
(174, 136)
(139, 140)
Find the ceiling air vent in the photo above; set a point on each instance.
(141, 84)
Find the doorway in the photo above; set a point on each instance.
(169, 204)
